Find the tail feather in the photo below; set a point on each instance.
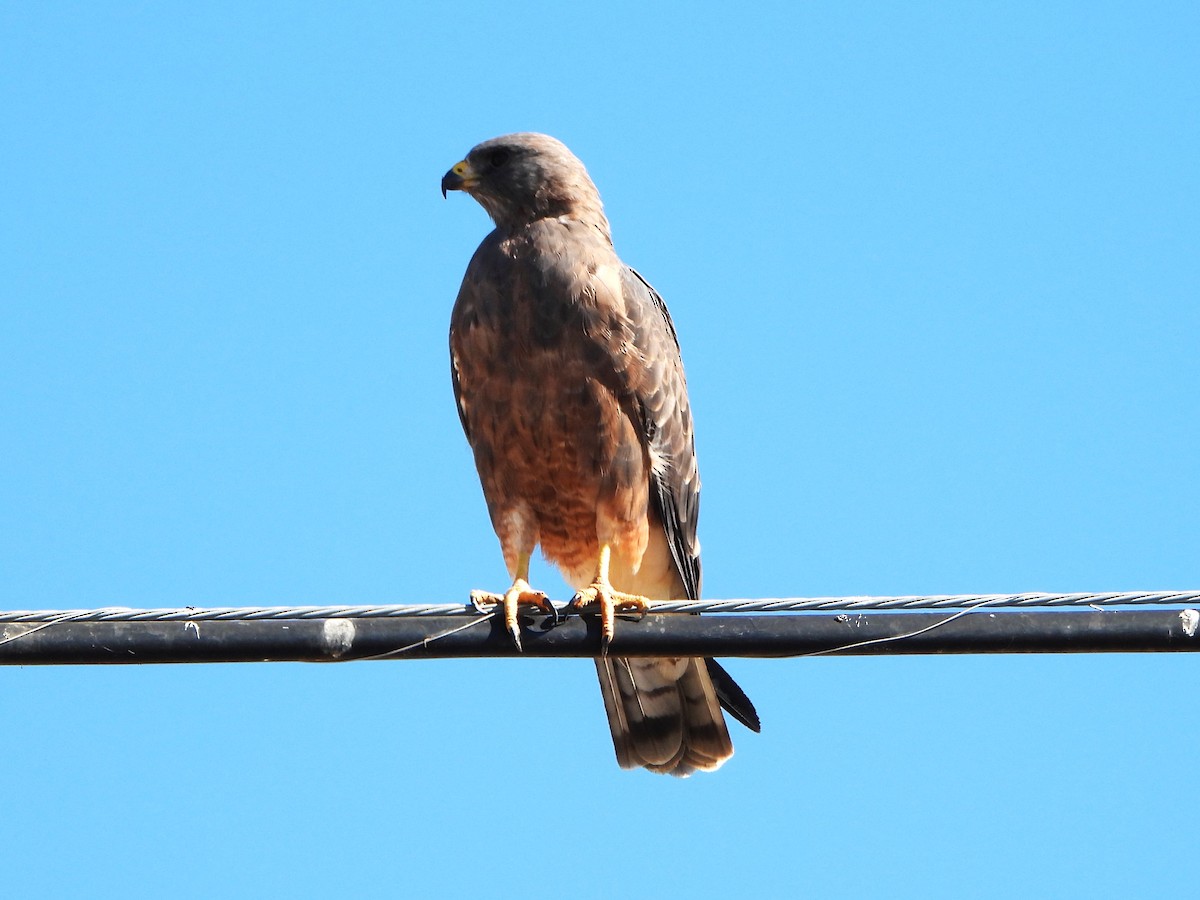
(664, 714)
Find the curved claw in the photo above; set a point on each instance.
(485, 602)
(510, 602)
(610, 602)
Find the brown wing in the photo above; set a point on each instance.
(478, 293)
(667, 423)
(665, 714)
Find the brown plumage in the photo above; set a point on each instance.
(571, 391)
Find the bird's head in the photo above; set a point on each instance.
(519, 178)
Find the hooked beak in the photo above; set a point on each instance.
(461, 177)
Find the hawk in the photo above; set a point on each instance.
(570, 387)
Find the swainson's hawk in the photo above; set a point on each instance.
(571, 391)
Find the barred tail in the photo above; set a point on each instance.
(664, 714)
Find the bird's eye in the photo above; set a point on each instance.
(498, 157)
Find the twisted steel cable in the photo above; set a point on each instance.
(788, 605)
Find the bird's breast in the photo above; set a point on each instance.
(539, 369)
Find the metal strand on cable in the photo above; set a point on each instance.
(794, 604)
(1136, 621)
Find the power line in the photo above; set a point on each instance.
(1113, 622)
(769, 605)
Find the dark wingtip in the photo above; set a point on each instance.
(732, 698)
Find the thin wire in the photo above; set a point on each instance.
(424, 642)
(795, 604)
(60, 617)
(934, 601)
(895, 637)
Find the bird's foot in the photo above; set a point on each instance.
(610, 602)
(520, 594)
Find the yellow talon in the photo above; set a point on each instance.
(512, 599)
(610, 600)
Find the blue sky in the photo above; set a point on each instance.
(934, 268)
